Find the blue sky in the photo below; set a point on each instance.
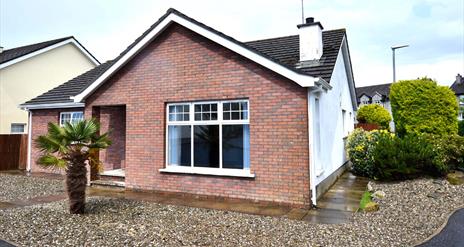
(434, 29)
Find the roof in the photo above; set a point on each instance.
(286, 50)
(8, 56)
(282, 51)
(458, 85)
(370, 91)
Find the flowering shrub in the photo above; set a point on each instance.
(359, 147)
(381, 155)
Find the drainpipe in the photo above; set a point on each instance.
(311, 149)
(29, 141)
(312, 167)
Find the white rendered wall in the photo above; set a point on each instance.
(332, 134)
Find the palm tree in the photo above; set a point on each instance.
(71, 148)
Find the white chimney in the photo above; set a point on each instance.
(310, 40)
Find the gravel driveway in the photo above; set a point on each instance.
(17, 187)
(410, 212)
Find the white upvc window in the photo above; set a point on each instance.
(71, 117)
(209, 137)
(18, 128)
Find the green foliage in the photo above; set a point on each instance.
(449, 149)
(421, 106)
(360, 145)
(461, 128)
(398, 158)
(374, 114)
(366, 198)
(381, 155)
(61, 144)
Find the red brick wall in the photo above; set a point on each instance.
(40, 120)
(182, 66)
(113, 119)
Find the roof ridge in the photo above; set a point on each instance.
(47, 41)
(375, 85)
(292, 35)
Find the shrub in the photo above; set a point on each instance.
(374, 114)
(359, 147)
(421, 106)
(450, 150)
(403, 158)
(461, 128)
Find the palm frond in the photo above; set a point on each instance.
(51, 161)
(100, 142)
(49, 144)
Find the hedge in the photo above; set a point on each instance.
(422, 106)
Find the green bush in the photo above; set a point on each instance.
(360, 145)
(374, 114)
(461, 128)
(449, 149)
(421, 106)
(381, 155)
(398, 158)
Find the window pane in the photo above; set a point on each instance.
(206, 116)
(186, 117)
(235, 116)
(235, 146)
(17, 128)
(179, 145)
(206, 146)
(172, 109)
(198, 116)
(214, 107)
(245, 115)
(244, 106)
(205, 107)
(226, 106)
(235, 106)
(172, 117)
(226, 116)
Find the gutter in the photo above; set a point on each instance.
(51, 106)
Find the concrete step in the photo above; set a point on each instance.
(108, 183)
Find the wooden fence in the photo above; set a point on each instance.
(13, 152)
(367, 126)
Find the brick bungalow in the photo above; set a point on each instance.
(194, 111)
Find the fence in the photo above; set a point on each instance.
(367, 126)
(13, 152)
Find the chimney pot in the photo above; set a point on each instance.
(309, 20)
(459, 78)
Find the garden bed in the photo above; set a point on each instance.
(410, 212)
(18, 187)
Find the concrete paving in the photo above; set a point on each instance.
(340, 202)
(453, 233)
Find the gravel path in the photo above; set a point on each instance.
(16, 187)
(410, 212)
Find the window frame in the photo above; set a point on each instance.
(18, 133)
(71, 118)
(220, 171)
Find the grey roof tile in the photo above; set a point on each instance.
(383, 89)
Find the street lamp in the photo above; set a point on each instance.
(394, 67)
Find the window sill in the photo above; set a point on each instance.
(208, 171)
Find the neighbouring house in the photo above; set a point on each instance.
(194, 111)
(458, 88)
(375, 94)
(30, 70)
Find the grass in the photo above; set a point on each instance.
(366, 198)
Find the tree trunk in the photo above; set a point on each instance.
(76, 183)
